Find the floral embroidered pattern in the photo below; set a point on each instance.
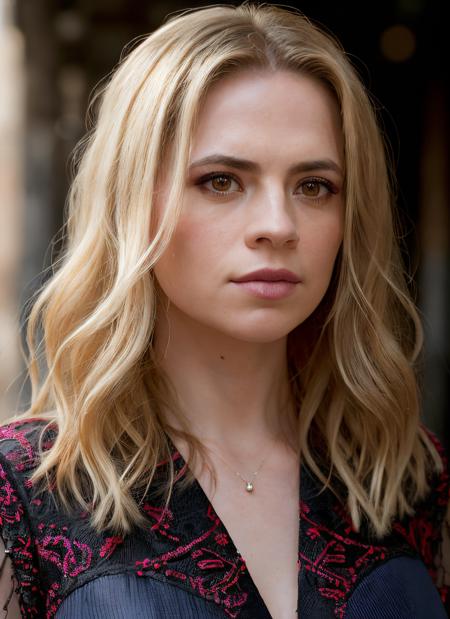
(214, 575)
(187, 545)
(337, 561)
(109, 546)
(339, 557)
(424, 531)
(71, 557)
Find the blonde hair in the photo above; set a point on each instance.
(359, 421)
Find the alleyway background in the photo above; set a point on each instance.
(53, 53)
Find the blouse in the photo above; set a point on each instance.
(184, 564)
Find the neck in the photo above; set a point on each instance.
(231, 392)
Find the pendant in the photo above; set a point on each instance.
(249, 486)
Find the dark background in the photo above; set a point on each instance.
(401, 52)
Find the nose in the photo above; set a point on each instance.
(272, 221)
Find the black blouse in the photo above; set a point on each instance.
(184, 563)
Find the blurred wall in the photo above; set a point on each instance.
(12, 70)
(399, 49)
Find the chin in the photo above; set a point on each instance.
(262, 333)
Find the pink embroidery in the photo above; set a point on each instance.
(221, 539)
(188, 547)
(70, 556)
(11, 510)
(109, 546)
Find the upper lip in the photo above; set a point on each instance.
(269, 275)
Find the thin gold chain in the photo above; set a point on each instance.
(248, 482)
(255, 473)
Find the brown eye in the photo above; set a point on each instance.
(311, 189)
(316, 189)
(221, 183)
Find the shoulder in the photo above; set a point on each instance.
(21, 442)
(423, 533)
(52, 550)
(20, 445)
(21, 439)
(431, 509)
(423, 530)
(435, 515)
(412, 576)
(400, 588)
(357, 560)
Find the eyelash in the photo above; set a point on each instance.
(219, 194)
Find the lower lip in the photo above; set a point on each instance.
(268, 290)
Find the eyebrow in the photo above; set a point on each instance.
(251, 166)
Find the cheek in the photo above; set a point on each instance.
(324, 244)
(202, 241)
(193, 246)
(187, 245)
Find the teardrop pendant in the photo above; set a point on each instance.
(249, 486)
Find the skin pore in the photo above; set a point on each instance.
(223, 347)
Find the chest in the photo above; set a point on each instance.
(264, 527)
(187, 559)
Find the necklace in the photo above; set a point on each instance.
(249, 487)
(249, 483)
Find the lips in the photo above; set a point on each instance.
(268, 284)
(269, 275)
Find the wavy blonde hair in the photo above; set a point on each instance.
(101, 384)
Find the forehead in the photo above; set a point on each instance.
(262, 113)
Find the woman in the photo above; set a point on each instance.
(228, 424)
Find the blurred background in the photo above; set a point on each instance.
(52, 54)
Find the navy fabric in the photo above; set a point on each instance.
(125, 596)
(182, 562)
(399, 589)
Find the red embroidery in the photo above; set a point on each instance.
(109, 546)
(187, 544)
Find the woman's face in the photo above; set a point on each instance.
(264, 194)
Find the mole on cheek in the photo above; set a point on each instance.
(222, 357)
